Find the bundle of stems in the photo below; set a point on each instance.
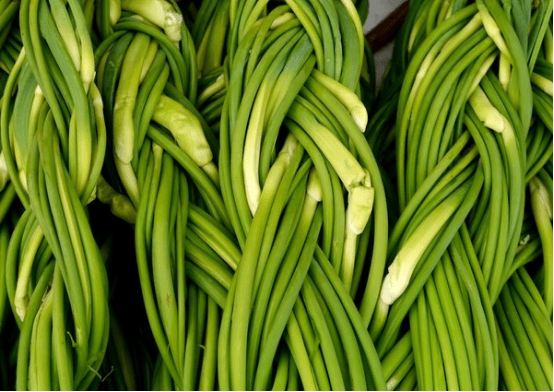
(472, 147)
(212, 195)
(299, 182)
(160, 168)
(54, 135)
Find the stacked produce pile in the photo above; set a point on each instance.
(205, 195)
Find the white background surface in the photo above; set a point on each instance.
(379, 10)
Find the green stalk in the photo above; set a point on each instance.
(360, 211)
(208, 263)
(123, 128)
(401, 373)
(347, 341)
(5, 129)
(188, 133)
(74, 272)
(540, 345)
(439, 371)
(409, 255)
(444, 338)
(542, 210)
(215, 235)
(159, 12)
(207, 188)
(451, 30)
(300, 355)
(409, 382)
(432, 255)
(190, 364)
(161, 256)
(328, 350)
(281, 374)
(62, 351)
(289, 262)
(79, 125)
(397, 355)
(536, 309)
(98, 279)
(42, 346)
(465, 355)
(156, 325)
(280, 48)
(287, 287)
(4, 244)
(23, 347)
(271, 260)
(208, 371)
(370, 354)
(246, 272)
(312, 344)
(510, 375)
(513, 348)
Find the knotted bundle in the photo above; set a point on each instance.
(304, 196)
(470, 82)
(54, 140)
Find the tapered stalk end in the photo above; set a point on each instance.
(4, 174)
(159, 12)
(378, 320)
(115, 11)
(185, 128)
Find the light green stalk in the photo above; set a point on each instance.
(504, 71)
(123, 126)
(36, 106)
(378, 320)
(115, 11)
(89, 193)
(434, 59)
(360, 205)
(202, 50)
(159, 12)
(89, 9)
(188, 133)
(21, 299)
(403, 265)
(349, 170)
(151, 53)
(548, 49)
(240, 309)
(39, 366)
(541, 204)
(493, 31)
(120, 205)
(4, 174)
(543, 83)
(350, 100)
(81, 154)
(355, 178)
(351, 9)
(162, 256)
(300, 354)
(88, 68)
(252, 145)
(211, 90)
(282, 19)
(65, 27)
(481, 73)
(487, 113)
(414, 33)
